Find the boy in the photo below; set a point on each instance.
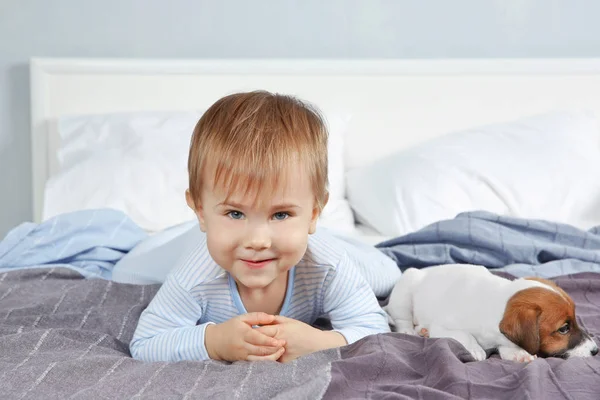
(257, 183)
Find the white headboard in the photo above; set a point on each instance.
(394, 103)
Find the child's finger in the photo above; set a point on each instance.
(280, 319)
(268, 330)
(261, 351)
(272, 357)
(254, 336)
(257, 318)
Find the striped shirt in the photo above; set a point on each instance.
(325, 283)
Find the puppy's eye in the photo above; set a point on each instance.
(563, 330)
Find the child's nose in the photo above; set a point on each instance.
(258, 238)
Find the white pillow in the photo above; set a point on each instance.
(136, 162)
(337, 214)
(545, 166)
(133, 162)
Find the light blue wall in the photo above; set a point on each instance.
(275, 28)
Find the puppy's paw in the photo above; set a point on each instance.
(407, 331)
(422, 331)
(515, 354)
(403, 326)
(477, 352)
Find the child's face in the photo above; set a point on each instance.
(258, 241)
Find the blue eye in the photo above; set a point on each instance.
(280, 216)
(235, 215)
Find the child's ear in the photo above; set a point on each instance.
(197, 208)
(315, 216)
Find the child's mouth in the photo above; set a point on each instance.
(257, 264)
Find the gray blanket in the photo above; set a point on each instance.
(62, 336)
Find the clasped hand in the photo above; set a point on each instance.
(276, 338)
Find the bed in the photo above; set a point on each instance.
(490, 162)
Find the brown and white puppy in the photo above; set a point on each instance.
(522, 319)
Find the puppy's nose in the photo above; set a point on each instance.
(594, 351)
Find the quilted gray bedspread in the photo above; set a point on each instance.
(62, 336)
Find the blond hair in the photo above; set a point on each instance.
(249, 140)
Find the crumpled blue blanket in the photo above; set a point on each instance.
(88, 241)
(521, 247)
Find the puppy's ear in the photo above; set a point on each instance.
(520, 323)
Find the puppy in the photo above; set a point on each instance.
(521, 319)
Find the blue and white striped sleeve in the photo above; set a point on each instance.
(167, 329)
(350, 304)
